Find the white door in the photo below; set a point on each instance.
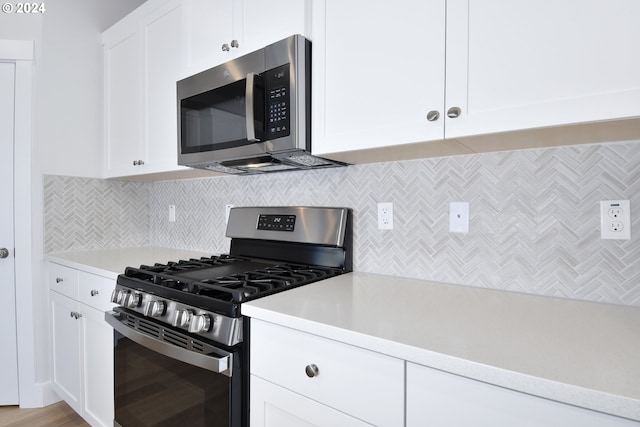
(8, 342)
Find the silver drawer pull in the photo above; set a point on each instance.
(311, 370)
(59, 280)
(94, 292)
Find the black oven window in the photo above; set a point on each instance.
(154, 390)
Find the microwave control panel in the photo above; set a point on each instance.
(278, 120)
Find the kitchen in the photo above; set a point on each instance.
(545, 200)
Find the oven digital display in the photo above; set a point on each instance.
(277, 222)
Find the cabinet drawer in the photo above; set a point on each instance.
(438, 397)
(95, 291)
(63, 280)
(364, 384)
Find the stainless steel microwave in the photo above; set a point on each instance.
(251, 114)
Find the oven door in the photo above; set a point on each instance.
(160, 380)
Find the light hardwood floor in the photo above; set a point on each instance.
(58, 415)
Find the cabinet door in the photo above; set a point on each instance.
(537, 63)
(207, 26)
(361, 383)
(258, 23)
(378, 70)
(274, 406)
(441, 399)
(242, 26)
(97, 351)
(123, 131)
(65, 341)
(162, 66)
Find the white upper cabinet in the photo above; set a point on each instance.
(216, 32)
(208, 26)
(382, 70)
(143, 60)
(123, 130)
(538, 63)
(162, 66)
(378, 71)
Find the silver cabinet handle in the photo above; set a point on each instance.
(59, 280)
(4, 252)
(311, 370)
(433, 115)
(94, 292)
(225, 47)
(234, 43)
(454, 112)
(75, 314)
(138, 163)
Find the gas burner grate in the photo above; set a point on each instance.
(253, 284)
(227, 288)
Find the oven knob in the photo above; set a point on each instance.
(200, 323)
(117, 296)
(132, 300)
(182, 318)
(155, 308)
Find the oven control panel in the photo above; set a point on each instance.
(276, 222)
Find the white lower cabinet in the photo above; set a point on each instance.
(82, 342)
(437, 398)
(65, 340)
(300, 379)
(275, 406)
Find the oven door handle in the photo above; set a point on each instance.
(221, 365)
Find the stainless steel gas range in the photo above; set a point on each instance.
(181, 346)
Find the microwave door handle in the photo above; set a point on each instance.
(249, 102)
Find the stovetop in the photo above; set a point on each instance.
(221, 283)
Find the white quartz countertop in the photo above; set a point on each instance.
(111, 262)
(581, 353)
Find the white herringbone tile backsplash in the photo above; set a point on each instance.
(535, 224)
(87, 214)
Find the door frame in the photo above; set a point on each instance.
(21, 53)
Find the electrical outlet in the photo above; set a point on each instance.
(615, 219)
(227, 210)
(459, 217)
(385, 216)
(172, 213)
